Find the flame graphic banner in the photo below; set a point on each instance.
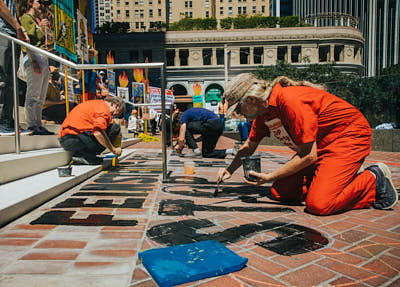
(64, 28)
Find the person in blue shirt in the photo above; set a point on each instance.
(208, 125)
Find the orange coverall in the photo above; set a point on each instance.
(298, 115)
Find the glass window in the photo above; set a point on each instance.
(159, 12)
(136, 12)
(186, 4)
(207, 55)
(170, 57)
(207, 14)
(141, 12)
(296, 54)
(118, 3)
(183, 57)
(339, 56)
(221, 10)
(137, 25)
(258, 55)
(262, 9)
(220, 56)
(190, 4)
(244, 56)
(151, 13)
(134, 54)
(254, 9)
(282, 54)
(127, 3)
(127, 13)
(324, 53)
(207, 4)
(239, 10)
(230, 10)
(244, 10)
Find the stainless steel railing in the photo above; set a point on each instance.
(160, 66)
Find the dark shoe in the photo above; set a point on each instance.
(191, 154)
(386, 195)
(78, 160)
(9, 131)
(40, 131)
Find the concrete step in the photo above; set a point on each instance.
(16, 166)
(20, 196)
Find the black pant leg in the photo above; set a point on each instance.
(212, 130)
(193, 128)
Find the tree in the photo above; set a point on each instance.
(113, 28)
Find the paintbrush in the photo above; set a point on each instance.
(217, 188)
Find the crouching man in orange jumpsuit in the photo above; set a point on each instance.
(331, 139)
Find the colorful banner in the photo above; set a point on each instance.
(123, 93)
(112, 89)
(82, 47)
(137, 93)
(64, 28)
(197, 97)
(197, 101)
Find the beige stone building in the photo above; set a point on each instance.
(199, 56)
(145, 15)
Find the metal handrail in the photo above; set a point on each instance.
(70, 64)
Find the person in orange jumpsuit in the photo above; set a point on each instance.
(331, 139)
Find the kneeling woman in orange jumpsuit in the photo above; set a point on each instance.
(331, 139)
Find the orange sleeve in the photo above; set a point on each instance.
(258, 130)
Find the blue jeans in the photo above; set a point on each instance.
(244, 129)
(222, 118)
(36, 89)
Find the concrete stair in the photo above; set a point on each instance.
(30, 178)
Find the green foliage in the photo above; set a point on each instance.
(378, 98)
(289, 21)
(188, 24)
(226, 23)
(113, 28)
(240, 22)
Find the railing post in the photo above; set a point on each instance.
(16, 100)
(164, 127)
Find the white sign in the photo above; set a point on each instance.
(82, 39)
(155, 97)
(123, 93)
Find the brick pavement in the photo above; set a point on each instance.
(91, 234)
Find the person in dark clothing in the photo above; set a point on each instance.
(208, 125)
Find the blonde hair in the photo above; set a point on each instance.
(262, 89)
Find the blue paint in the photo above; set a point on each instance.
(190, 262)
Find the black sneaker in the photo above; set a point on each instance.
(40, 131)
(386, 195)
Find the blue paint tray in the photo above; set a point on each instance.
(190, 262)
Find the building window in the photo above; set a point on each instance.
(186, 4)
(221, 1)
(258, 55)
(221, 10)
(230, 10)
(239, 10)
(151, 2)
(296, 54)
(141, 2)
(244, 9)
(141, 12)
(191, 14)
(324, 53)
(159, 1)
(142, 26)
(159, 12)
(148, 54)
(126, 3)
(339, 57)
(151, 13)
(207, 4)
(118, 3)
(127, 13)
(282, 54)
(183, 57)
(118, 13)
(207, 55)
(134, 54)
(136, 2)
(244, 55)
(137, 25)
(136, 12)
(262, 9)
(190, 4)
(207, 14)
(170, 54)
(254, 9)
(101, 14)
(220, 56)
